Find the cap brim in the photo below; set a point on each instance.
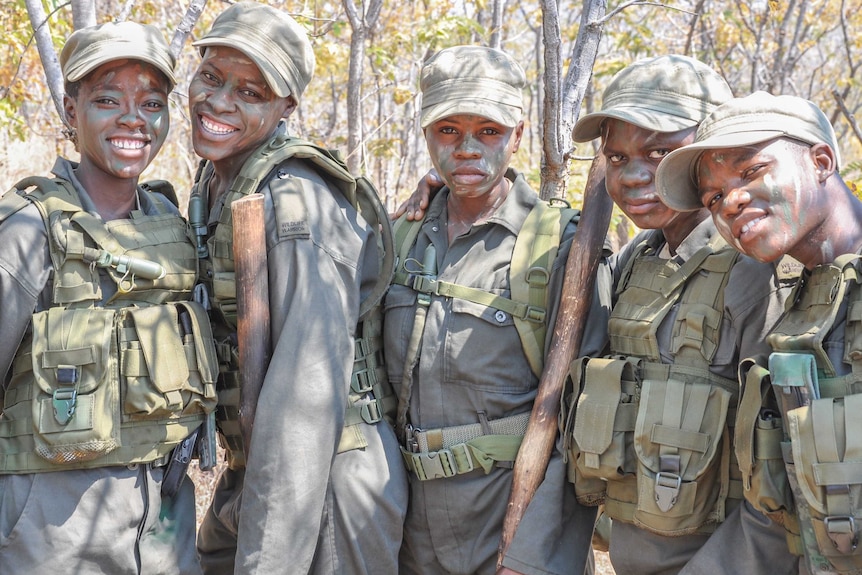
(675, 177)
(590, 126)
(502, 114)
(119, 52)
(273, 79)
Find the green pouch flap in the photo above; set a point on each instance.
(597, 407)
(162, 346)
(207, 361)
(751, 374)
(80, 339)
(793, 370)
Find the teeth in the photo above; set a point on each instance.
(215, 128)
(128, 144)
(749, 225)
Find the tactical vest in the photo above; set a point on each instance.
(438, 453)
(814, 426)
(648, 439)
(95, 384)
(370, 398)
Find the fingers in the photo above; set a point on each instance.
(417, 203)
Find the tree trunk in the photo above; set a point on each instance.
(83, 13)
(184, 28)
(497, 9)
(50, 62)
(563, 102)
(360, 24)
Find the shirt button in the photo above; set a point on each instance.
(500, 316)
(435, 229)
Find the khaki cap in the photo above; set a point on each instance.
(665, 94)
(88, 48)
(472, 80)
(754, 119)
(273, 40)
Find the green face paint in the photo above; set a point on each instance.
(121, 117)
(765, 199)
(471, 153)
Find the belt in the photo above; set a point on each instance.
(450, 451)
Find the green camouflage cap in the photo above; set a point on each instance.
(754, 119)
(665, 94)
(272, 39)
(472, 80)
(88, 48)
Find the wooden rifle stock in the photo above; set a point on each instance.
(252, 300)
(575, 300)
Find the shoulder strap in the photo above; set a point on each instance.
(405, 233)
(164, 188)
(647, 245)
(359, 191)
(280, 148)
(530, 273)
(373, 211)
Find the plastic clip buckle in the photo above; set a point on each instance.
(666, 490)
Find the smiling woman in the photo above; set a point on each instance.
(108, 268)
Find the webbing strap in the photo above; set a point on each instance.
(436, 439)
(532, 259)
(517, 310)
(411, 358)
(463, 458)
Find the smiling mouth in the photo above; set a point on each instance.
(215, 128)
(125, 144)
(747, 227)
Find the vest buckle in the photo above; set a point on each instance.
(841, 529)
(667, 487)
(64, 401)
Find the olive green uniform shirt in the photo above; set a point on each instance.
(298, 507)
(471, 361)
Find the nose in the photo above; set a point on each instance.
(132, 117)
(735, 199)
(468, 147)
(636, 174)
(220, 99)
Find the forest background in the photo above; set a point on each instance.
(364, 98)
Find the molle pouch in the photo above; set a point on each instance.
(224, 286)
(605, 419)
(826, 439)
(697, 327)
(589, 491)
(167, 362)
(683, 455)
(758, 436)
(75, 415)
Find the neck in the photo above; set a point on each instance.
(681, 227)
(464, 212)
(113, 197)
(477, 209)
(840, 233)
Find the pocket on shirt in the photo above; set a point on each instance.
(483, 350)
